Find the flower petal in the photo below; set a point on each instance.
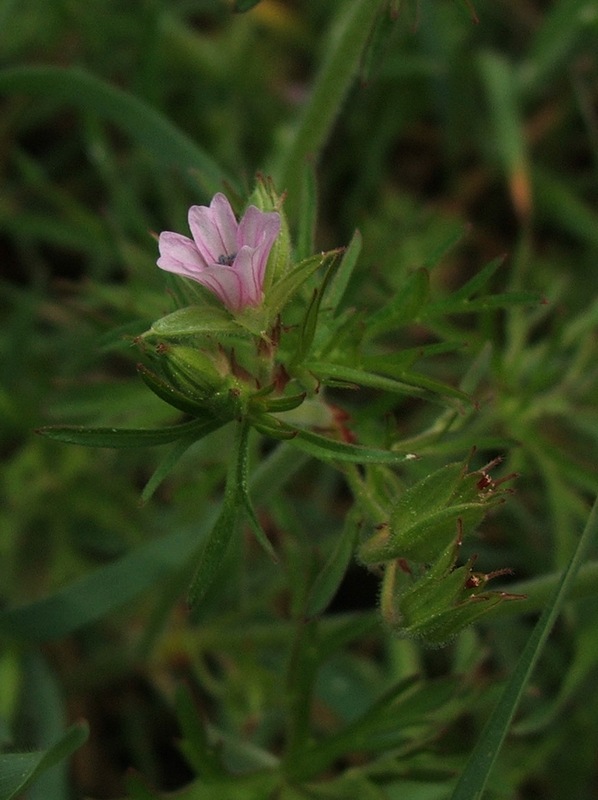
(214, 229)
(226, 283)
(179, 254)
(250, 265)
(258, 227)
(226, 257)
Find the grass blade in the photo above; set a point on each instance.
(143, 123)
(19, 770)
(477, 770)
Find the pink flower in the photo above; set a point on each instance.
(227, 257)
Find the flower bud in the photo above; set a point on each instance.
(435, 605)
(423, 520)
(204, 378)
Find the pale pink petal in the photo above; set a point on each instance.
(214, 229)
(227, 258)
(258, 227)
(179, 254)
(248, 264)
(226, 283)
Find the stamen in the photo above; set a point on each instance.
(227, 260)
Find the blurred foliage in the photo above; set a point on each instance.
(448, 144)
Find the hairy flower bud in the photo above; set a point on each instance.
(423, 520)
(204, 378)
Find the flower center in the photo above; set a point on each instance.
(227, 260)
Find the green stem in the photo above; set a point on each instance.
(269, 477)
(363, 496)
(331, 86)
(301, 673)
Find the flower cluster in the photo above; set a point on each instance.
(227, 257)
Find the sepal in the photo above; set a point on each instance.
(434, 604)
(423, 520)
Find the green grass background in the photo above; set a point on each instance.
(431, 128)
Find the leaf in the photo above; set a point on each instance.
(195, 321)
(403, 307)
(244, 5)
(214, 551)
(310, 320)
(127, 437)
(102, 591)
(340, 281)
(143, 123)
(377, 46)
(308, 211)
(392, 366)
(559, 205)
(116, 585)
(196, 746)
(490, 302)
(329, 578)
(333, 450)
(478, 281)
(352, 375)
(20, 770)
(166, 466)
(474, 777)
(227, 523)
(340, 65)
(282, 291)
(507, 127)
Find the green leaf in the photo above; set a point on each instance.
(244, 5)
(333, 450)
(354, 376)
(102, 591)
(478, 281)
(215, 548)
(490, 302)
(474, 777)
(335, 76)
(377, 46)
(20, 770)
(196, 746)
(340, 281)
(42, 703)
(559, 205)
(310, 320)
(116, 585)
(507, 128)
(128, 437)
(195, 321)
(391, 366)
(306, 228)
(220, 537)
(329, 578)
(283, 291)
(166, 466)
(403, 308)
(143, 123)
(446, 245)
